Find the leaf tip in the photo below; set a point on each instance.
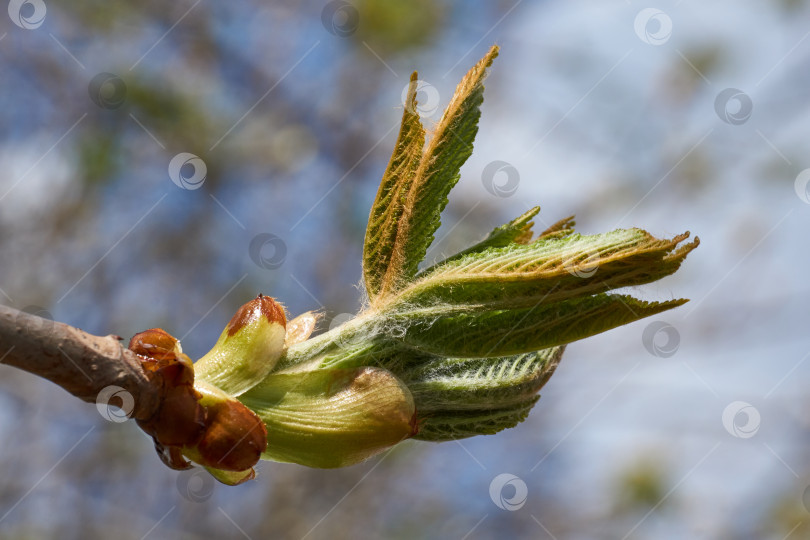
(492, 54)
(561, 228)
(684, 250)
(410, 99)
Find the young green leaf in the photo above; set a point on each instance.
(444, 385)
(386, 212)
(437, 173)
(460, 425)
(564, 227)
(471, 332)
(517, 231)
(552, 268)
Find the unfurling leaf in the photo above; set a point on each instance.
(499, 332)
(459, 349)
(564, 227)
(441, 385)
(517, 231)
(386, 212)
(459, 425)
(550, 269)
(463, 397)
(418, 196)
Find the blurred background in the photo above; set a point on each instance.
(164, 163)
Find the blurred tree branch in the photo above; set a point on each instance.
(81, 363)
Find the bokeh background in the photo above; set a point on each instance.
(670, 116)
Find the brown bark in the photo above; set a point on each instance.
(81, 363)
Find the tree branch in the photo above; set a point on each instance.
(81, 363)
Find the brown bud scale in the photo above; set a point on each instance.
(261, 306)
